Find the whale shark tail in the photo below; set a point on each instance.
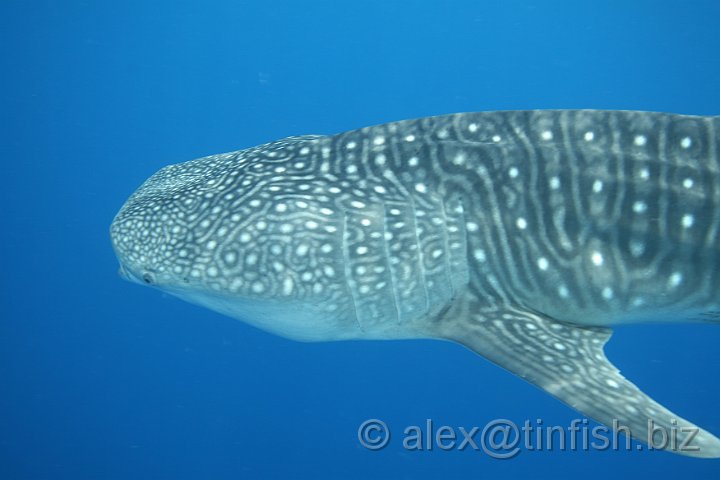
(568, 362)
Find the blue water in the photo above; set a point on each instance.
(100, 378)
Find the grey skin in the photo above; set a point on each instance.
(522, 235)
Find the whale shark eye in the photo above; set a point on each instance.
(148, 278)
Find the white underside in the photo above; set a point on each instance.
(295, 320)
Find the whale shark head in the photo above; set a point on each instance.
(236, 233)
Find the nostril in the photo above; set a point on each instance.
(148, 278)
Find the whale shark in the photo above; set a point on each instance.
(525, 236)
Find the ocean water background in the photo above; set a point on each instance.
(100, 378)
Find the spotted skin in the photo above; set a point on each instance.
(521, 235)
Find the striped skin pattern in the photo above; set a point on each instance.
(521, 235)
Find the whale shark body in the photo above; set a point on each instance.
(524, 236)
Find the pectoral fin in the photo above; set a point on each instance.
(568, 362)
